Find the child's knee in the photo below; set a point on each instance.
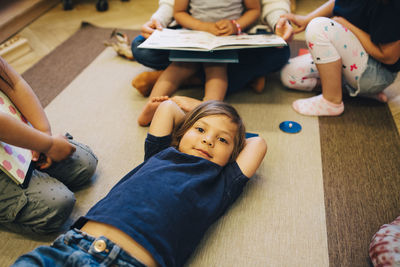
(316, 26)
(89, 164)
(135, 43)
(54, 213)
(287, 77)
(43, 211)
(84, 166)
(293, 79)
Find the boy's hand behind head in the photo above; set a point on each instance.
(60, 148)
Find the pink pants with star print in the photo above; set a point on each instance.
(327, 41)
(384, 249)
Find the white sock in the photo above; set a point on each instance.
(317, 106)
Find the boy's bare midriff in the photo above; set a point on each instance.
(120, 238)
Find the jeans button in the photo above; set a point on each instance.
(99, 245)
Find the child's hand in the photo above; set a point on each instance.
(284, 29)
(211, 28)
(41, 161)
(226, 27)
(149, 27)
(298, 20)
(60, 148)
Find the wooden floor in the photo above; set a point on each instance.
(55, 26)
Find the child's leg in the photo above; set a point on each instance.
(145, 81)
(77, 170)
(172, 77)
(336, 52)
(41, 208)
(166, 85)
(215, 87)
(255, 63)
(216, 81)
(384, 249)
(300, 73)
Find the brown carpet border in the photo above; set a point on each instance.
(360, 153)
(58, 69)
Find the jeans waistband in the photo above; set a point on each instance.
(104, 250)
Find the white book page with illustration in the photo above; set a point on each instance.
(204, 41)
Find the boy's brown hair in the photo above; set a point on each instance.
(208, 108)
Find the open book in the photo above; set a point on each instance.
(15, 162)
(204, 41)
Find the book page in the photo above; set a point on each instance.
(249, 40)
(168, 38)
(204, 41)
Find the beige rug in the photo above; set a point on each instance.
(316, 200)
(280, 218)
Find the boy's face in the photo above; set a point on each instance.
(211, 137)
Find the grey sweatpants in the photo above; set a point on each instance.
(48, 201)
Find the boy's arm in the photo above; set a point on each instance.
(386, 53)
(166, 117)
(251, 156)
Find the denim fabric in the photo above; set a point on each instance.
(374, 79)
(152, 58)
(48, 201)
(253, 63)
(76, 248)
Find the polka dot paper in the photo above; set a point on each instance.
(14, 161)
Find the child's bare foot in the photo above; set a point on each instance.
(145, 81)
(186, 103)
(381, 97)
(149, 109)
(258, 84)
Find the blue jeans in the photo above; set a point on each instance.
(375, 78)
(76, 248)
(253, 62)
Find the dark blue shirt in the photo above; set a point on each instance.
(168, 202)
(379, 19)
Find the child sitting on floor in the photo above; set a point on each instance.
(61, 164)
(219, 18)
(360, 44)
(158, 213)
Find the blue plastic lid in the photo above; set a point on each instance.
(290, 127)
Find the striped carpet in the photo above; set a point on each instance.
(316, 200)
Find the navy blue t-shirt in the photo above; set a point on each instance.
(379, 19)
(168, 202)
